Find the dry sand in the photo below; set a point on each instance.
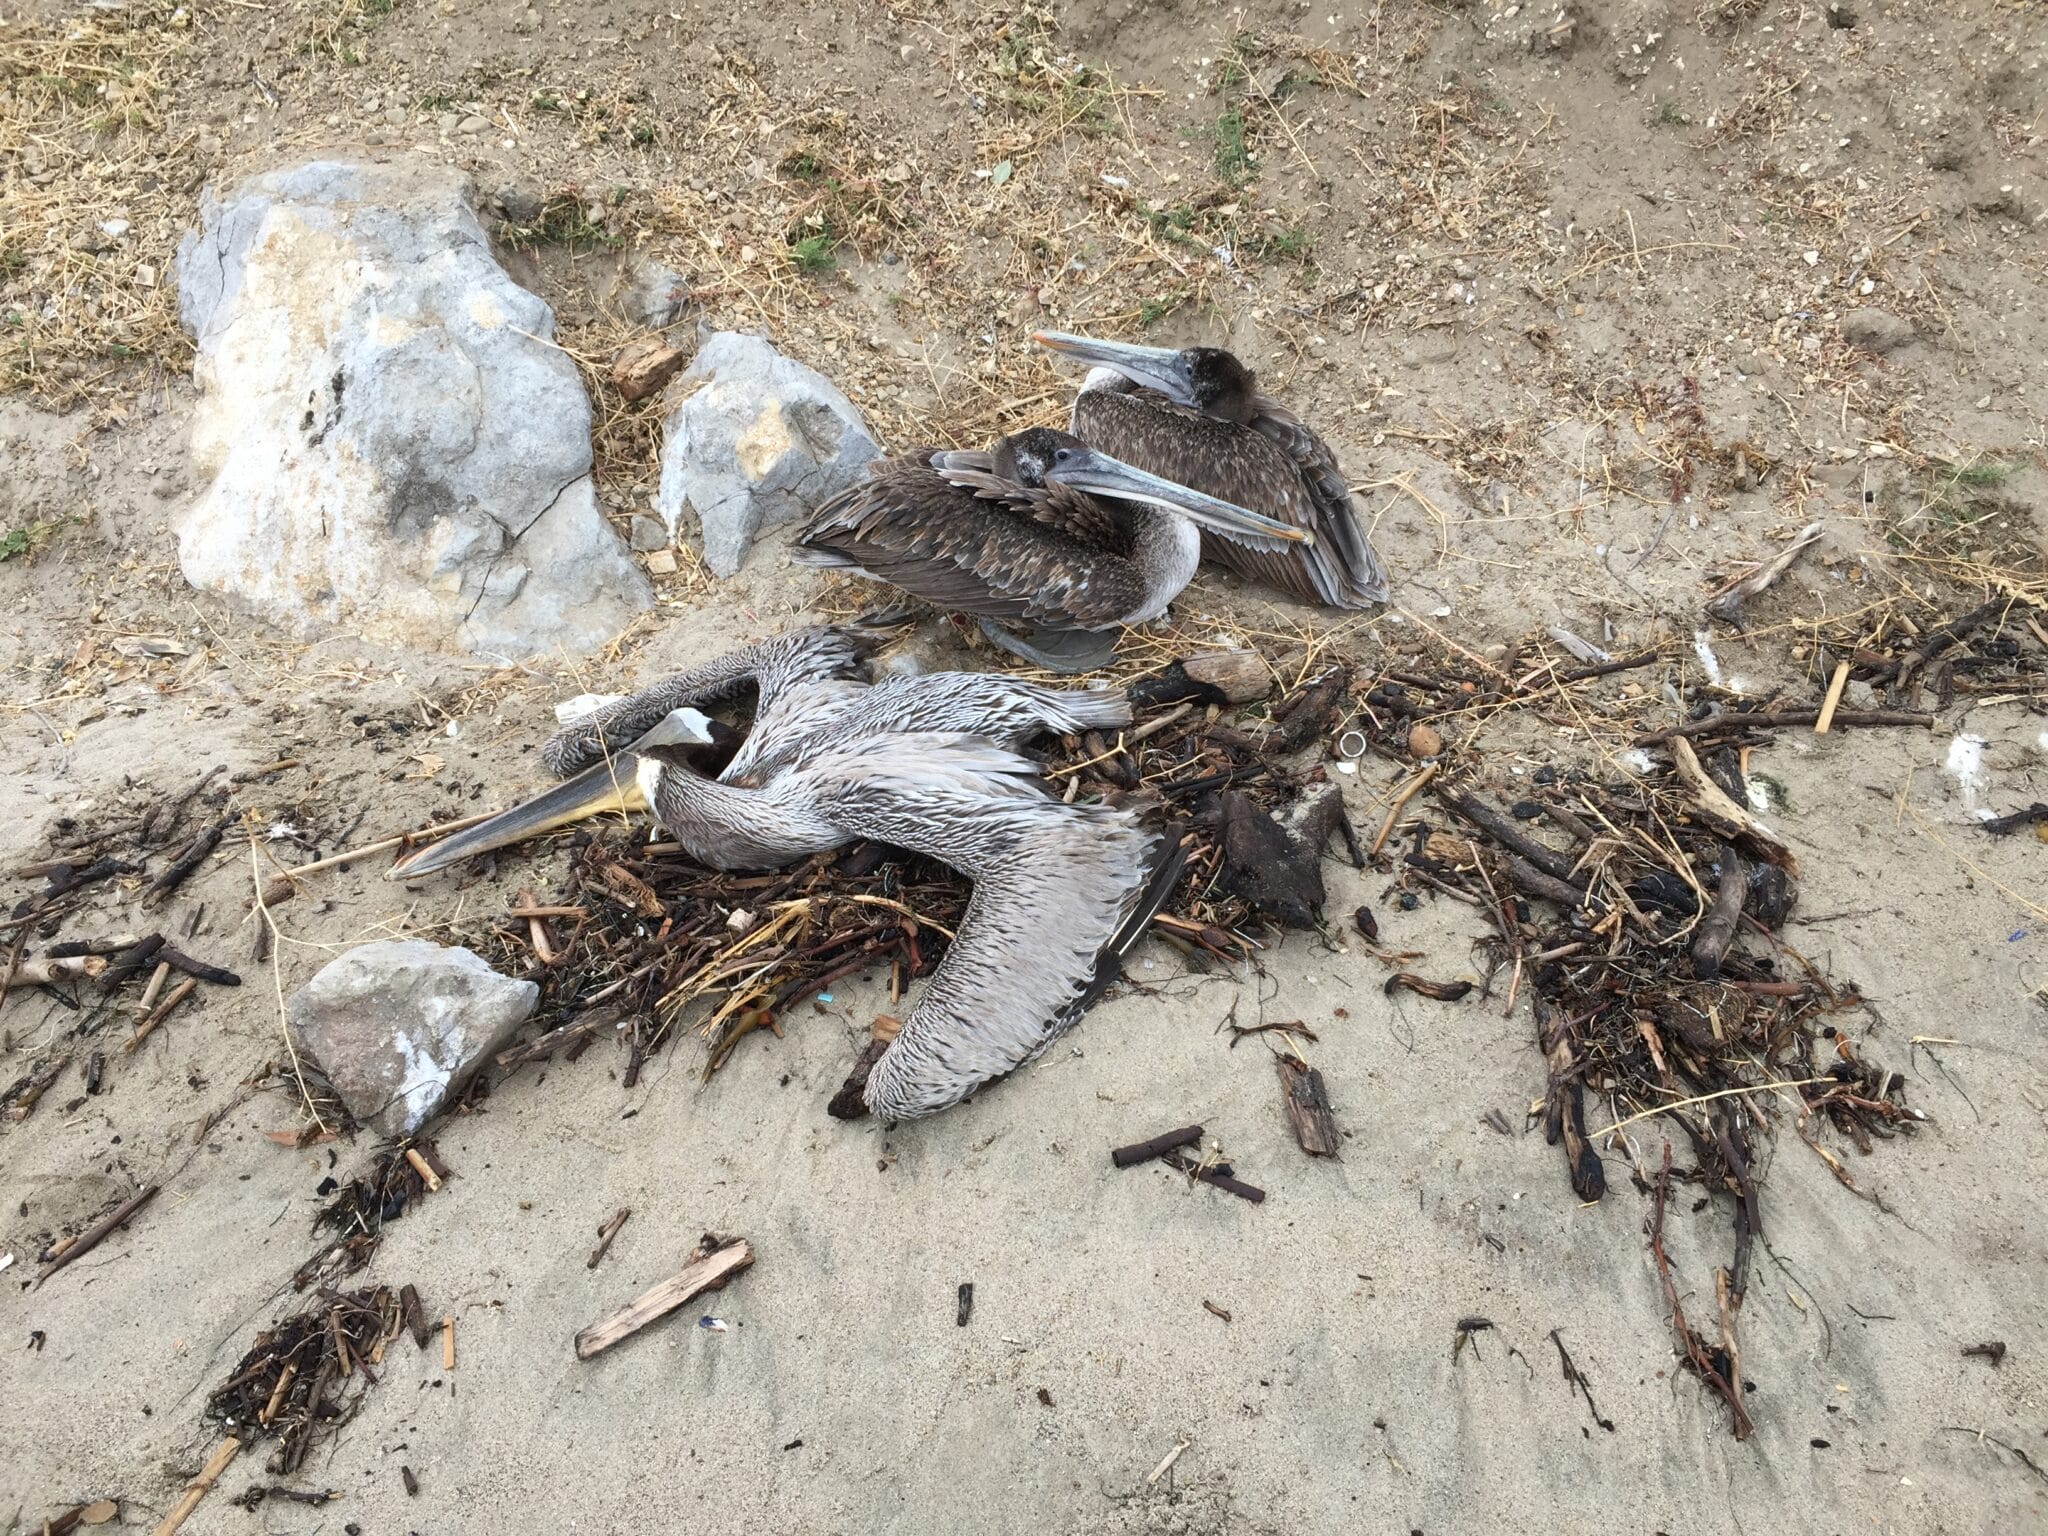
(843, 1397)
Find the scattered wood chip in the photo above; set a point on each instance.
(1307, 1102)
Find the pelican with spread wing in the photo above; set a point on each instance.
(928, 763)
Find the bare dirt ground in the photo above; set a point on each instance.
(1575, 294)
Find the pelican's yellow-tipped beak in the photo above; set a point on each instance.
(612, 785)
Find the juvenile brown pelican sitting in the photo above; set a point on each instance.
(1061, 892)
(1039, 530)
(1197, 417)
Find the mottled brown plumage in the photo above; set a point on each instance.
(1196, 417)
(1040, 530)
(959, 532)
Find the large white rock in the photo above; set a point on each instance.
(399, 1025)
(392, 446)
(754, 439)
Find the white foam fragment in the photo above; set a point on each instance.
(1965, 764)
(1710, 664)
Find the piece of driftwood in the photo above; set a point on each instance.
(1307, 1102)
(1144, 1151)
(2002, 826)
(1717, 929)
(1564, 1103)
(90, 1239)
(642, 366)
(1726, 605)
(47, 972)
(21, 1096)
(709, 1269)
(555, 1039)
(1442, 991)
(850, 1102)
(1715, 805)
(1502, 829)
(606, 1233)
(113, 944)
(1276, 864)
(415, 1316)
(158, 1014)
(963, 1305)
(196, 1490)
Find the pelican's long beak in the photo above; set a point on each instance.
(1105, 476)
(611, 785)
(1159, 368)
(614, 784)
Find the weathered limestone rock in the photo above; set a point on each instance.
(399, 1025)
(754, 440)
(393, 447)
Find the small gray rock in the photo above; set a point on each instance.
(649, 534)
(518, 204)
(648, 293)
(399, 1025)
(1877, 330)
(755, 441)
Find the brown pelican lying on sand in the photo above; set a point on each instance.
(1196, 417)
(1040, 530)
(1061, 892)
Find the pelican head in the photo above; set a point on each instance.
(1206, 379)
(622, 782)
(1042, 456)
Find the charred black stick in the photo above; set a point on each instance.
(131, 960)
(1214, 1176)
(1717, 929)
(1502, 830)
(1747, 1223)
(1531, 881)
(1144, 1151)
(65, 879)
(1736, 720)
(1997, 826)
(194, 854)
(71, 949)
(178, 960)
(1937, 640)
(1606, 668)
